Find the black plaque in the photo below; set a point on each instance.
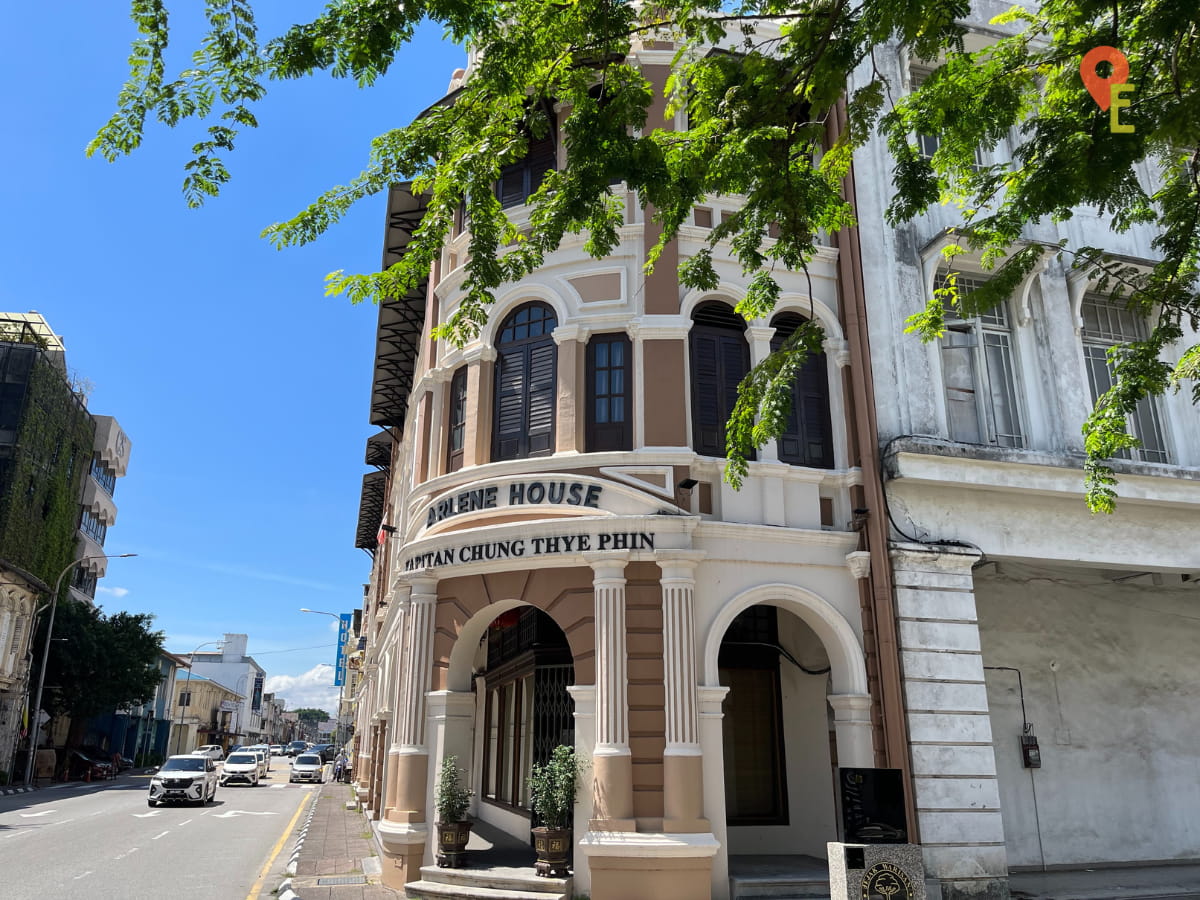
(872, 806)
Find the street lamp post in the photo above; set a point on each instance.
(338, 713)
(186, 689)
(36, 712)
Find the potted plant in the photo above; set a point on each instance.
(552, 796)
(451, 799)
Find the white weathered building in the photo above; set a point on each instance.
(1024, 618)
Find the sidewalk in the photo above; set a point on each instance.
(337, 858)
(1125, 883)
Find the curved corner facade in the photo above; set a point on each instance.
(559, 561)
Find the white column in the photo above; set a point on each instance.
(683, 777)
(611, 759)
(679, 650)
(422, 604)
(612, 701)
(760, 348)
(837, 357)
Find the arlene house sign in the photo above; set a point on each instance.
(534, 492)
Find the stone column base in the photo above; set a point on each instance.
(633, 866)
(403, 846)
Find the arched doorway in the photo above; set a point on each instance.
(523, 668)
(778, 741)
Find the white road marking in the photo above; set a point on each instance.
(147, 815)
(157, 836)
(243, 812)
(185, 821)
(128, 852)
(84, 875)
(44, 812)
(279, 785)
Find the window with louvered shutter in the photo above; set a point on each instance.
(720, 359)
(458, 420)
(520, 179)
(808, 439)
(526, 380)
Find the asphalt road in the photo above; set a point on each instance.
(102, 842)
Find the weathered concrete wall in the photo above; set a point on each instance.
(1112, 687)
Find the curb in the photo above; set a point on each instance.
(284, 891)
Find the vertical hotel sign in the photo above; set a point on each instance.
(344, 623)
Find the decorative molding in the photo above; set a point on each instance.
(859, 563)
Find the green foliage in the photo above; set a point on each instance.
(99, 662)
(40, 482)
(311, 715)
(450, 796)
(756, 124)
(552, 787)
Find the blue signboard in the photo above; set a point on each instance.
(345, 623)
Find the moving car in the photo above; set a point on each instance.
(308, 767)
(296, 747)
(192, 779)
(262, 750)
(326, 751)
(212, 751)
(277, 749)
(243, 767)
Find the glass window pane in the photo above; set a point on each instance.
(601, 382)
(601, 410)
(618, 381)
(618, 409)
(602, 354)
(618, 353)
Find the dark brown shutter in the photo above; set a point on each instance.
(808, 439)
(541, 357)
(526, 384)
(720, 360)
(511, 388)
(458, 420)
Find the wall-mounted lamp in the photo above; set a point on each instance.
(687, 484)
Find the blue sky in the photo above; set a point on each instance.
(243, 389)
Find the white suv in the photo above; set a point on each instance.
(241, 766)
(192, 779)
(212, 751)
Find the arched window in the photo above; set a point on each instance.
(720, 360)
(808, 439)
(526, 375)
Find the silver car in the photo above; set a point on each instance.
(308, 767)
(191, 779)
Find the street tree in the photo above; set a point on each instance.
(311, 716)
(99, 662)
(758, 125)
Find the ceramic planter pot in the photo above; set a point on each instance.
(553, 849)
(452, 844)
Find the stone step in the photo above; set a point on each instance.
(499, 878)
(443, 890)
(778, 889)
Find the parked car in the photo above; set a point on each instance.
(243, 767)
(82, 767)
(296, 747)
(191, 779)
(308, 767)
(212, 751)
(326, 750)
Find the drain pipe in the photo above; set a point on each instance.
(877, 598)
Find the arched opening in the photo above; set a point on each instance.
(523, 667)
(778, 739)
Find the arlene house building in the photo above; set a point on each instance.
(561, 562)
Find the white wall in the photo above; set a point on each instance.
(1112, 687)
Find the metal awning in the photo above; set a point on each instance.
(370, 510)
(379, 449)
(401, 320)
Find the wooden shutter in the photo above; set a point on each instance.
(720, 359)
(542, 358)
(511, 387)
